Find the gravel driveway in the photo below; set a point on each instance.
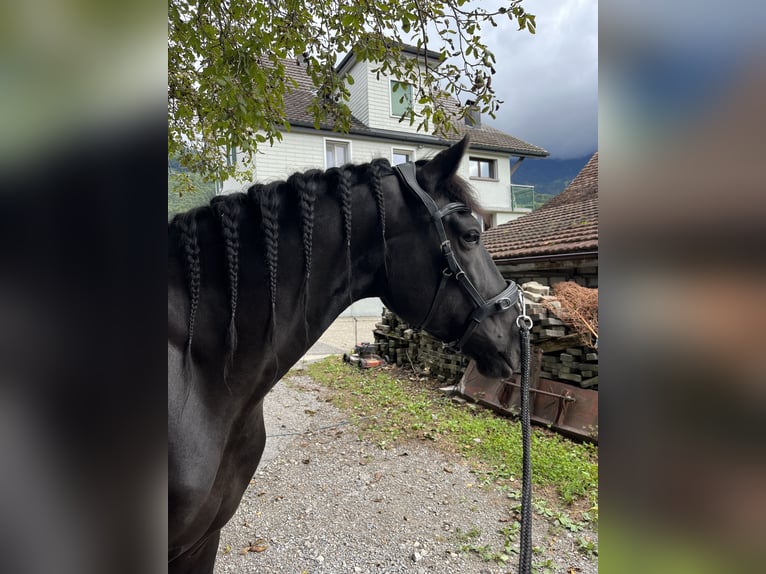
(324, 501)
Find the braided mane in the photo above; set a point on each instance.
(266, 201)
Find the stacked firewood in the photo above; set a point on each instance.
(568, 356)
(572, 365)
(441, 363)
(405, 346)
(396, 341)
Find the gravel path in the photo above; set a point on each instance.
(325, 501)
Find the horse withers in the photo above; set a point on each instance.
(255, 278)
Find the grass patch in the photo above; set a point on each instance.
(389, 405)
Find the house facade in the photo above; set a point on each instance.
(377, 103)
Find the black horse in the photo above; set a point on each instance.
(255, 278)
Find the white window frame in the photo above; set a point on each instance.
(391, 96)
(493, 165)
(408, 150)
(336, 140)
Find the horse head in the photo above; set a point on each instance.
(439, 275)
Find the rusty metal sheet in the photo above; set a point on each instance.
(570, 410)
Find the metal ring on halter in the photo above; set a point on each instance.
(527, 321)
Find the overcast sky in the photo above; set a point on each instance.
(549, 80)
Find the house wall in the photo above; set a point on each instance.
(296, 152)
(359, 103)
(301, 151)
(495, 195)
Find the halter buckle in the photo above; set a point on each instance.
(503, 304)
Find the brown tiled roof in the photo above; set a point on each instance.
(487, 137)
(482, 138)
(584, 186)
(570, 225)
(297, 101)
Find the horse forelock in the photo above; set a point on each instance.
(458, 189)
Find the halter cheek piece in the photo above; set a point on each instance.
(483, 309)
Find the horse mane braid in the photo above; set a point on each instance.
(269, 201)
(228, 212)
(187, 225)
(344, 189)
(377, 190)
(306, 198)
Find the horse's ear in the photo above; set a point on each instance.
(443, 166)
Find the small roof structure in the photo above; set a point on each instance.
(566, 225)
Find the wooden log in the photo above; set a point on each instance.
(587, 383)
(548, 333)
(570, 377)
(558, 344)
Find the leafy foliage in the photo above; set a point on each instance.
(187, 190)
(227, 81)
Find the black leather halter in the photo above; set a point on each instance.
(483, 308)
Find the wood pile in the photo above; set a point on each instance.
(396, 341)
(567, 357)
(442, 364)
(405, 346)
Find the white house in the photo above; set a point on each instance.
(377, 132)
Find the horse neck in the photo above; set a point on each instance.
(314, 268)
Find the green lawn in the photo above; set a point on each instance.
(392, 405)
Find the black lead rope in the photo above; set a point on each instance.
(483, 309)
(524, 323)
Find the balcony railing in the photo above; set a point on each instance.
(522, 197)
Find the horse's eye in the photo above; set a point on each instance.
(472, 237)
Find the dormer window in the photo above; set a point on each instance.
(401, 98)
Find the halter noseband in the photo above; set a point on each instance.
(483, 309)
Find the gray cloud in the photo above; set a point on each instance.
(549, 81)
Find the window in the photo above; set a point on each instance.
(479, 168)
(336, 153)
(399, 155)
(401, 98)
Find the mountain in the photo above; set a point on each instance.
(549, 176)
